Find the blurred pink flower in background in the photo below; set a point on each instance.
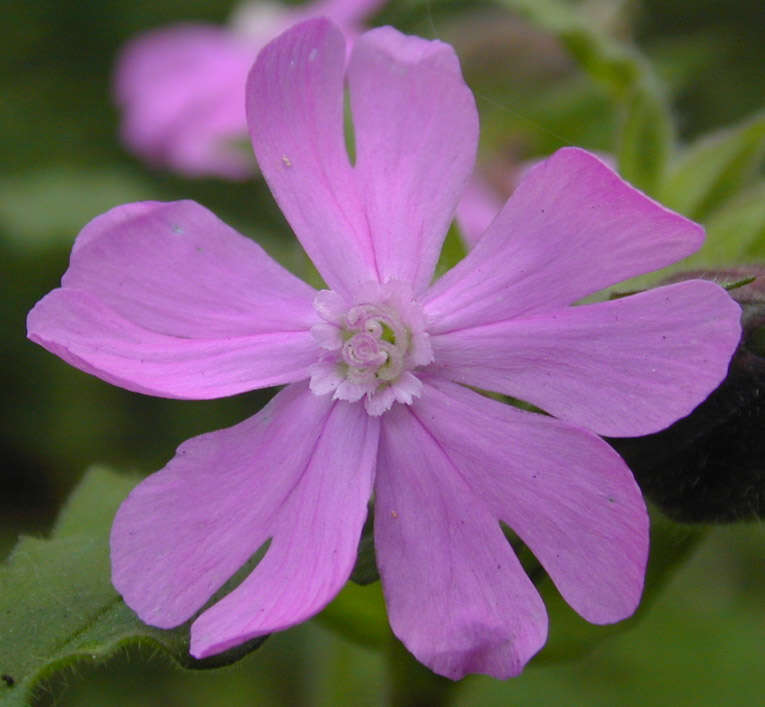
(181, 88)
(381, 369)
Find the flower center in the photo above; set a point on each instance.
(371, 346)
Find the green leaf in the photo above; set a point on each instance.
(713, 168)
(736, 284)
(646, 133)
(736, 231)
(617, 66)
(90, 508)
(571, 636)
(58, 607)
(646, 138)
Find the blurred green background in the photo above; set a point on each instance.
(62, 164)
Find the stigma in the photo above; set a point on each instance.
(372, 346)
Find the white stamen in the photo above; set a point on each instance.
(371, 345)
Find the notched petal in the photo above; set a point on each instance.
(186, 529)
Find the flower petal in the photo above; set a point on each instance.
(564, 491)
(571, 228)
(166, 299)
(416, 128)
(295, 113)
(185, 530)
(315, 532)
(181, 90)
(622, 368)
(456, 594)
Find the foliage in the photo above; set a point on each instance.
(57, 605)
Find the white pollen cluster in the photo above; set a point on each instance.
(371, 346)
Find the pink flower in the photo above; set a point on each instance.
(181, 88)
(380, 369)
